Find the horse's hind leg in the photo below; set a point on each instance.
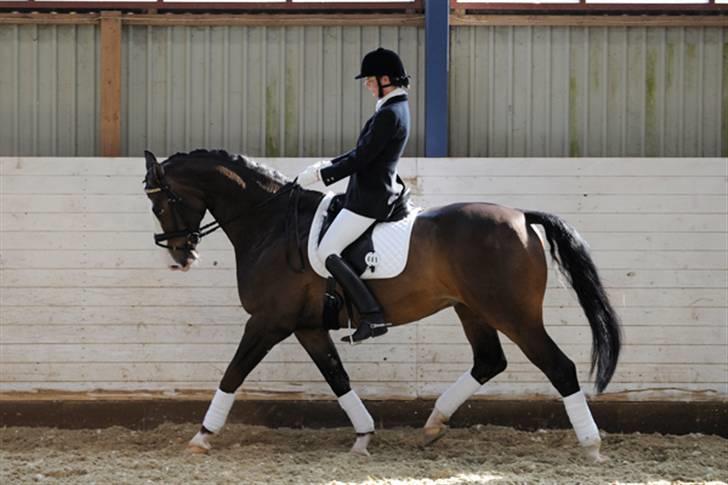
(488, 361)
(561, 371)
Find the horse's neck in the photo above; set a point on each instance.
(242, 212)
(243, 202)
(270, 223)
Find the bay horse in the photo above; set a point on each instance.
(484, 260)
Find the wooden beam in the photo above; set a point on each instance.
(276, 20)
(110, 84)
(417, 20)
(210, 20)
(582, 7)
(227, 6)
(36, 18)
(590, 20)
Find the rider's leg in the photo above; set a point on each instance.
(345, 229)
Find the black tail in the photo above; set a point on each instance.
(576, 264)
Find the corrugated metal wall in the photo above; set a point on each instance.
(597, 91)
(264, 91)
(48, 90)
(288, 91)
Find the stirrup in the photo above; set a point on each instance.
(366, 330)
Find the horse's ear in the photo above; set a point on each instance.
(150, 158)
(154, 168)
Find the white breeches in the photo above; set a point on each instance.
(345, 229)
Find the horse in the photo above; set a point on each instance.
(484, 260)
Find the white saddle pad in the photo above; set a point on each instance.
(391, 244)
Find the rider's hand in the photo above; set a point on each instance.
(312, 173)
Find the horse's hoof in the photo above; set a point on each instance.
(435, 428)
(360, 445)
(433, 434)
(199, 444)
(197, 450)
(593, 454)
(359, 451)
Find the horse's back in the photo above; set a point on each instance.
(476, 219)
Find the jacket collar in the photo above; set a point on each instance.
(398, 94)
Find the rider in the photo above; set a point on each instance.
(373, 187)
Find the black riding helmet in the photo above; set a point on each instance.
(383, 62)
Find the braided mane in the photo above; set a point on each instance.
(264, 175)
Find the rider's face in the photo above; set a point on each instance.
(371, 84)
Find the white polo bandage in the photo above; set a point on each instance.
(358, 414)
(581, 419)
(218, 411)
(455, 395)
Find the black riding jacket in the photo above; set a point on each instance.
(372, 165)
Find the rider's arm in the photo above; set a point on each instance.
(370, 144)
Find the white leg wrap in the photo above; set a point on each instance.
(581, 419)
(455, 395)
(218, 411)
(358, 414)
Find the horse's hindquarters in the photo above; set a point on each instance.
(477, 254)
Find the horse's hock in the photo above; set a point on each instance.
(95, 331)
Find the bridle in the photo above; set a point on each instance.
(194, 236)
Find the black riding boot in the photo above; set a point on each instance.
(371, 321)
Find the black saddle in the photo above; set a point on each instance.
(356, 253)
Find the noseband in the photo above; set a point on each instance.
(194, 236)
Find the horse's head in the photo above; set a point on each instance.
(179, 209)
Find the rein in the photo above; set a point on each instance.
(193, 237)
(291, 187)
(293, 200)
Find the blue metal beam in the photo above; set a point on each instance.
(437, 41)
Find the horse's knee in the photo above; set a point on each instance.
(231, 380)
(250, 352)
(336, 376)
(486, 369)
(340, 385)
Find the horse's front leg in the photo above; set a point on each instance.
(320, 347)
(259, 337)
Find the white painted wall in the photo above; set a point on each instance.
(86, 303)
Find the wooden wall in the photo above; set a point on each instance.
(86, 302)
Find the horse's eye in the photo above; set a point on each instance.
(157, 211)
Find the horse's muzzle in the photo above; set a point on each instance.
(192, 258)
